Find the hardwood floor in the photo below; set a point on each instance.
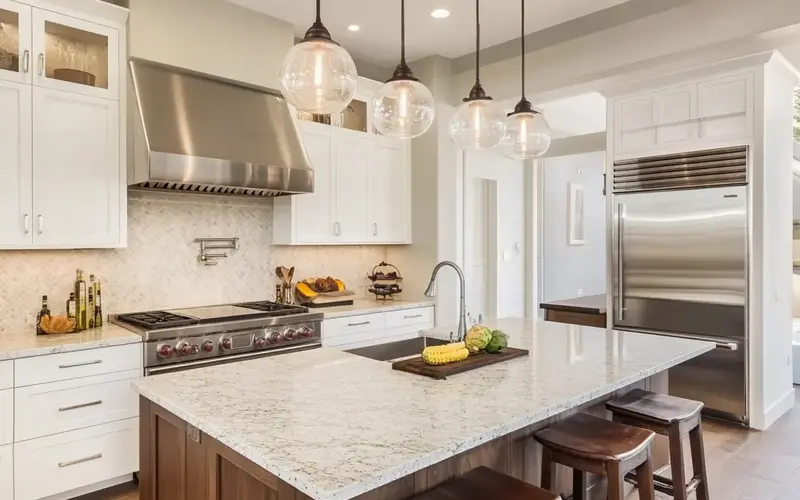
(742, 464)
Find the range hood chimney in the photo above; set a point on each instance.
(201, 134)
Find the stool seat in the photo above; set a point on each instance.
(484, 483)
(595, 438)
(661, 408)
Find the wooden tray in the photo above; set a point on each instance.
(440, 372)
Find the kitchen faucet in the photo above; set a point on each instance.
(431, 292)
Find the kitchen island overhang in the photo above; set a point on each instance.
(331, 425)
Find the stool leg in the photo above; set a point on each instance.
(644, 479)
(548, 471)
(699, 461)
(578, 484)
(616, 481)
(676, 462)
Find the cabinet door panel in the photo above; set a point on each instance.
(353, 151)
(726, 107)
(676, 112)
(635, 124)
(7, 471)
(313, 222)
(76, 175)
(389, 200)
(75, 55)
(15, 165)
(15, 42)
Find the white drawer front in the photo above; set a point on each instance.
(45, 409)
(6, 417)
(352, 324)
(64, 462)
(7, 472)
(6, 374)
(69, 365)
(360, 338)
(410, 317)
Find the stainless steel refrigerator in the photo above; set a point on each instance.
(679, 259)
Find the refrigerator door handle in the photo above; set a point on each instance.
(620, 270)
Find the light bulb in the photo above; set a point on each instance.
(318, 76)
(527, 136)
(403, 108)
(477, 124)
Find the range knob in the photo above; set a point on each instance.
(274, 337)
(226, 343)
(306, 332)
(184, 349)
(165, 351)
(289, 334)
(260, 342)
(207, 346)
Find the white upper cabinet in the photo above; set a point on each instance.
(75, 55)
(635, 124)
(353, 152)
(676, 115)
(76, 196)
(389, 189)
(15, 42)
(315, 209)
(726, 107)
(15, 165)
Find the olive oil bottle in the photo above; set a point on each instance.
(81, 298)
(98, 306)
(45, 311)
(71, 306)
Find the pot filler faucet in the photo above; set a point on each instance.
(431, 292)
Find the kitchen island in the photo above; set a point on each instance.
(330, 425)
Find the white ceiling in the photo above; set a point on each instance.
(379, 38)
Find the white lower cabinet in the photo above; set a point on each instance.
(7, 471)
(375, 328)
(71, 460)
(6, 417)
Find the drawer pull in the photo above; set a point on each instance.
(79, 461)
(85, 363)
(83, 405)
(414, 316)
(358, 324)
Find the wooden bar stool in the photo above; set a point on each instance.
(484, 483)
(590, 444)
(675, 418)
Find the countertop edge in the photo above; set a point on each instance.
(568, 308)
(303, 484)
(33, 352)
(372, 309)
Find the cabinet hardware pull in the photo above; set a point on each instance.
(358, 324)
(26, 61)
(701, 128)
(414, 316)
(41, 223)
(374, 229)
(82, 405)
(27, 224)
(41, 62)
(79, 461)
(85, 363)
(620, 256)
(338, 227)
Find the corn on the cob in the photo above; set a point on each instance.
(443, 354)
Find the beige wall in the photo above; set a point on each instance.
(210, 36)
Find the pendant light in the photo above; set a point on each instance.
(403, 107)
(478, 123)
(318, 75)
(527, 133)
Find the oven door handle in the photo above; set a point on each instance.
(222, 359)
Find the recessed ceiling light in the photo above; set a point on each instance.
(440, 13)
(354, 27)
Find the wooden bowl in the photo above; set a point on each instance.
(57, 324)
(74, 76)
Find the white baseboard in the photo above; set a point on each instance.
(91, 488)
(776, 411)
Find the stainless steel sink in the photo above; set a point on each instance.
(397, 350)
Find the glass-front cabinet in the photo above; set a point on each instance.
(15, 41)
(75, 55)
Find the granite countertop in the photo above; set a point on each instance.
(351, 424)
(589, 304)
(368, 306)
(25, 343)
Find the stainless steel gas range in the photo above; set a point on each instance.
(181, 339)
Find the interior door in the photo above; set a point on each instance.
(15, 42)
(680, 261)
(15, 165)
(353, 152)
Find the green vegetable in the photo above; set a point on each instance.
(477, 338)
(498, 343)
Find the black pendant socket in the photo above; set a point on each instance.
(477, 94)
(318, 32)
(402, 72)
(523, 106)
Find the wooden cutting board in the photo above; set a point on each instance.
(440, 372)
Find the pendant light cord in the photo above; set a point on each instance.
(522, 38)
(402, 32)
(478, 42)
(319, 19)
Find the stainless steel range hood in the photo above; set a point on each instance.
(201, 134)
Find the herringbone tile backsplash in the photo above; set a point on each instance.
(159, 268)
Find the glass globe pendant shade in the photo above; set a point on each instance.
(318, 76)
(477, 124)
(527, 136)
(403, 109)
